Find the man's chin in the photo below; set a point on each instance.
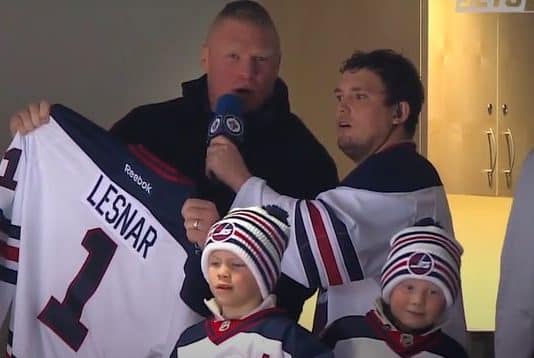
(354, 154)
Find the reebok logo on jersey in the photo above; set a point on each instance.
(137, 179)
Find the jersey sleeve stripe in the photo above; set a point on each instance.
(8, 275)
(9, 252)
(350, 256)
(7, 228)
(305, 251)
(324, 245)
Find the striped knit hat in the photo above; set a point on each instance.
(258, 236)
(426, 253)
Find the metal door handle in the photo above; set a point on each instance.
(492, 156)
(505, 109)
(511, 157)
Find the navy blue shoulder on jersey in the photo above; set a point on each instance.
(296, 340)
(398, 169)
(449, 348)
(192, 334)
(164, 199)
(345, 328)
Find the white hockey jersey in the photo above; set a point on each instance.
(93, 253)
(374, 335)
(265, 333)
(340, 240)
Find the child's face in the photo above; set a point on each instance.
(416, 304)
(232, 284)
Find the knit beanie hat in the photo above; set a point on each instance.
(258, 236)
(426, 253)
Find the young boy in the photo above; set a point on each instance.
(420, 281)
(241, 262)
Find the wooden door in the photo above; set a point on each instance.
(516, 93)
(462, 141)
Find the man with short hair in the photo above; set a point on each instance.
(340, 240)
(241, 56)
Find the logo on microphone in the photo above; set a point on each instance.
(214, 127)
(420, 263)
(234, 125)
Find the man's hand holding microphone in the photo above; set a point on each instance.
(224, 163)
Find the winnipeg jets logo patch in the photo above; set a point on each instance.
(420, 263)
(234, 125)
(222, 232)
(214, 127)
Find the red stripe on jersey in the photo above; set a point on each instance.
(9, 252)
(325, 248)
(160, 167)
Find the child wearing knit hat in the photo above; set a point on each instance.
(420, 281)
(241, 262)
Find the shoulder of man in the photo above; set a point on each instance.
(145, 116)
(399, 169)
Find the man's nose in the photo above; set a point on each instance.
(341, 107)
(247, 68)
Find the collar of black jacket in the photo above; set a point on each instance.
(275, 109)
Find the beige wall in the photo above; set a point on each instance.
(318, 35)
(101, 58)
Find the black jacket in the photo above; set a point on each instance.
(277, 147)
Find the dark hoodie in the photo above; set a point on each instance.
(277, 147)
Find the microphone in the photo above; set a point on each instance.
(227, 120)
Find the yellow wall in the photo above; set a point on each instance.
(479, 224)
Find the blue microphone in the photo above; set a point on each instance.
(227, 119)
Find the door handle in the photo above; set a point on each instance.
(492, 156)
(511, 156)
(504, 109)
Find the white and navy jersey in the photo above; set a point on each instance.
(373, 335)
(268, 333)
(93, 253)
(340, 241)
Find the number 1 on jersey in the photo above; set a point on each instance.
(64, 317)
(12, 158)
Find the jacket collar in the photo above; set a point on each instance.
(196, 93)
(404, 344)
(268, 302)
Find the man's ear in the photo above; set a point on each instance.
(401, 111)
(204, 54)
